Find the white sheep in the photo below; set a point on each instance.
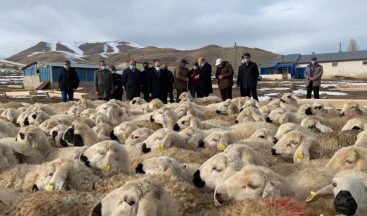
(355, 124)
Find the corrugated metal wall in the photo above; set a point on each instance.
(85, 74)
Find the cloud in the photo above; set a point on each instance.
(282, 26)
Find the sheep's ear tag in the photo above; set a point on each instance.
(300, 156)
(191, 145)
(161, 147)
(50, 187)
(124, 137)
(221, 147)
(311, 197)
(280, 121)
(106, 167)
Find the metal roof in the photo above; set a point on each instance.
(61, 64)
(323, 57)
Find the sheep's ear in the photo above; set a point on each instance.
(272, 189)
(325, 191)
(97, 211)
(20, 157)
(193, 122)
(323, 128)
(257, 116)
(302, 154)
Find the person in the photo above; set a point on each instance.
(181, 74)
(68, 82)
(313, 74)
(205, 78)
(118, 91)
(248, 74)
(145, 81)
(194, 80)
(131, 80)
(103, 82)
(224, 76)
(158, 82)
(170, 83)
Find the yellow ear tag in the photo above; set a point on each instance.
(50, 187)
(221, 147)
(161, 147)
(280, 121)
(106, 167)
(191, 145)
(300, 156)
(311, 197)
(124, 137)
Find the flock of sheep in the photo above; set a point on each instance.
(196, 157)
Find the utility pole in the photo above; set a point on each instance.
(235, 55)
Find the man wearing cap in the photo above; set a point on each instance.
(181, 74)
(313, 74)
(224, 76)
(248, 74)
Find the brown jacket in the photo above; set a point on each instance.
(227, 72)
(181, 75)
(316, 76)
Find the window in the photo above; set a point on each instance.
(365, 62)
(334, 64)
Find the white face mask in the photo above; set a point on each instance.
(103, 67)
(66, 67)
(246, 60)
(157, 68)
(132, 67)
(313, 62)
(243, 60)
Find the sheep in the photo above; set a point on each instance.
(107, 158)
(272, 105)
(9, 157)
(348, 188)
(288, 101)
(86, 103)
(361, 139)
(10, 114)
(64, 119)
(48, 125)
(355, 124)
(288, 127)
(85, 121)
(352, 108)
(185, 108)
(22, 119)
(192, 121)
(140, 197)
(164, 116)
(60, 174)
(250, 114)
(263, 133)
(123, 130)
(304, 147)
(75, 110)
(41, 107)
(320, 109)
(101, 118)
(82, 135)
(246, 129)
(315, 125)
(137, 101)
(57, 135)
(133, 143)
(352, 157)
(281, 116)
(104, 131)
(115, 113)
(248, 102)
(87, 112)
(7, 129)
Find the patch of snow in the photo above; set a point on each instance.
(272, 94)
(52, 46)
(264, 98)
(113, 45)
(75, 47)
(301, 92)
(273, 89)
(35, 53)
(11, 62)
(104, 54)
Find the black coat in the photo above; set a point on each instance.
(117, 81)
(68, 79)
(205, 79)
(248, 75)
(159, 84)
(131, 81)
(171, 80)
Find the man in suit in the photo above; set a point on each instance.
(158, 82)
(181, 74)
(205, 78)
(248, 74)
(145, 80)
(313, 74)
(131, 80)
(103, 82)
(68, 82)
(117, 84)
(224, 76)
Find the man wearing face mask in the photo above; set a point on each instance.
(117, 81)
(224, 76)
(131, 80)
(68, 82)
(145, 80)
(181, 74)
(194, 80)
(313, 74)
(248, 74)
(103, 82)
(158, 82)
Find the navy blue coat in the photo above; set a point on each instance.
(205, 79)
(248, 75)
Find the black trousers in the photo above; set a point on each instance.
(250, 92)
(178, 93)
(226, 93)
(314, 89)
(170, 95)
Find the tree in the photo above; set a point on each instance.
(353, 46)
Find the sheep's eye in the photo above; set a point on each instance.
(251, 186)
(183, 122)
(129, 202)
(136, 137)
(262, 137)
(289, 96)
(289, 144)
(216, 169)
(349, 162)
(334, 184)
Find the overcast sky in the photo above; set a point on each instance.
(281, 26)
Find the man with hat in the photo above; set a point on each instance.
(181, 75)
(313, 74)
(224, 76)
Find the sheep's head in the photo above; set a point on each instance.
(160, 165)
(250, 114)
(80, 130)
(136, 197)
(227, 108)
(160, 139)
(279, 115)
(87, 112)
(57, 133)
(9, 157)
(139, 135)
(218, 139)
(48, 124)
(284, 129)
(262, 133)
(185, 108)
(137, 101)
(355, 124)
(74, 110)
(289, 98)
(187, 121)
(22, 119)
(349, 189)
(164, 116)
(352, 157)
(35, 138)
(314, 124)
(185, 97)
(123, 130)
(250, 103)
(352, 108)
(114, 112)
(194, 137)
(250, 182)
(108, 157)
(216, 169)
(294, 143)
(361, 139)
